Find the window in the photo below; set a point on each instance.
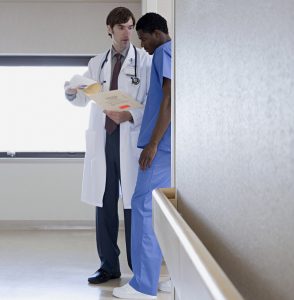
(36, 120)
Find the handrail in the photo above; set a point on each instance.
(212, 282)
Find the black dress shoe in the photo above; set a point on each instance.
(101, 276)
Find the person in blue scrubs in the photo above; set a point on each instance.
(155, 161)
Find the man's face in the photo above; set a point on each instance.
(149, 41)
(121, 34)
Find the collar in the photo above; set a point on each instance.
(123, 53)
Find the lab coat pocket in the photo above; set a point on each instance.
(91, 142)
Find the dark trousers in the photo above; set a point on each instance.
(107, 222)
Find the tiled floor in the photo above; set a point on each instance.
(55, 264)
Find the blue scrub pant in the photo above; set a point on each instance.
(145, 251)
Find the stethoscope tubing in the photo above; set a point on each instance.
(135, 79)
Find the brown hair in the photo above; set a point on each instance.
(119, 15)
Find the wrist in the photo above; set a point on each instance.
(153, 143)
(130, 117)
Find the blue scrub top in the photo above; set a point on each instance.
(161, 67)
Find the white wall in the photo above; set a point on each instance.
(235, 137)
(37, 190)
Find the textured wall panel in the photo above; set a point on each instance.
(235, 137)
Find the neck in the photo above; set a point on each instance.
(165, 38)
(120, 48)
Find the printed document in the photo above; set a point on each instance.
(115, 100)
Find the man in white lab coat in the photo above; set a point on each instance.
(111, 160)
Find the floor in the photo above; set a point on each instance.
(55, 264)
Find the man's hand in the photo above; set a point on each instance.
(119, 116)
(69, 91)
(147, 156)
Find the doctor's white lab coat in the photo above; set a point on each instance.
(94, 176)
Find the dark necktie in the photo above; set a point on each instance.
(110, 125)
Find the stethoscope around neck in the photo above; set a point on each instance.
(135, 79)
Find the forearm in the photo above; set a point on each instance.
(137, 115)
(119, 116)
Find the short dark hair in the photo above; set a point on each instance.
(119, 15)
(151, 22)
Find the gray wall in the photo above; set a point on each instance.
(42, 189)
(235, 137)
(57, 26)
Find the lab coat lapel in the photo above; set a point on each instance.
(107, 73)
(130, 58)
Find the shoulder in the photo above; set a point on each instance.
(164, 49)
(143, 57)
(162, 56)
(142, 53)
(96, 60)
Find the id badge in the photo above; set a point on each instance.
(130, 71)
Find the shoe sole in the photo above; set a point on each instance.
(103, 281)
(129, 296)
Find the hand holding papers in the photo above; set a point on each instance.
(87, 85)
(110, 100)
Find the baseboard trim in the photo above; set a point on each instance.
(50, 225)
(46, 225)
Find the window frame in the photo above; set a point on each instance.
(43, 61)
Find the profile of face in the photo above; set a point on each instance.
(121, 34)
(149, 41)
